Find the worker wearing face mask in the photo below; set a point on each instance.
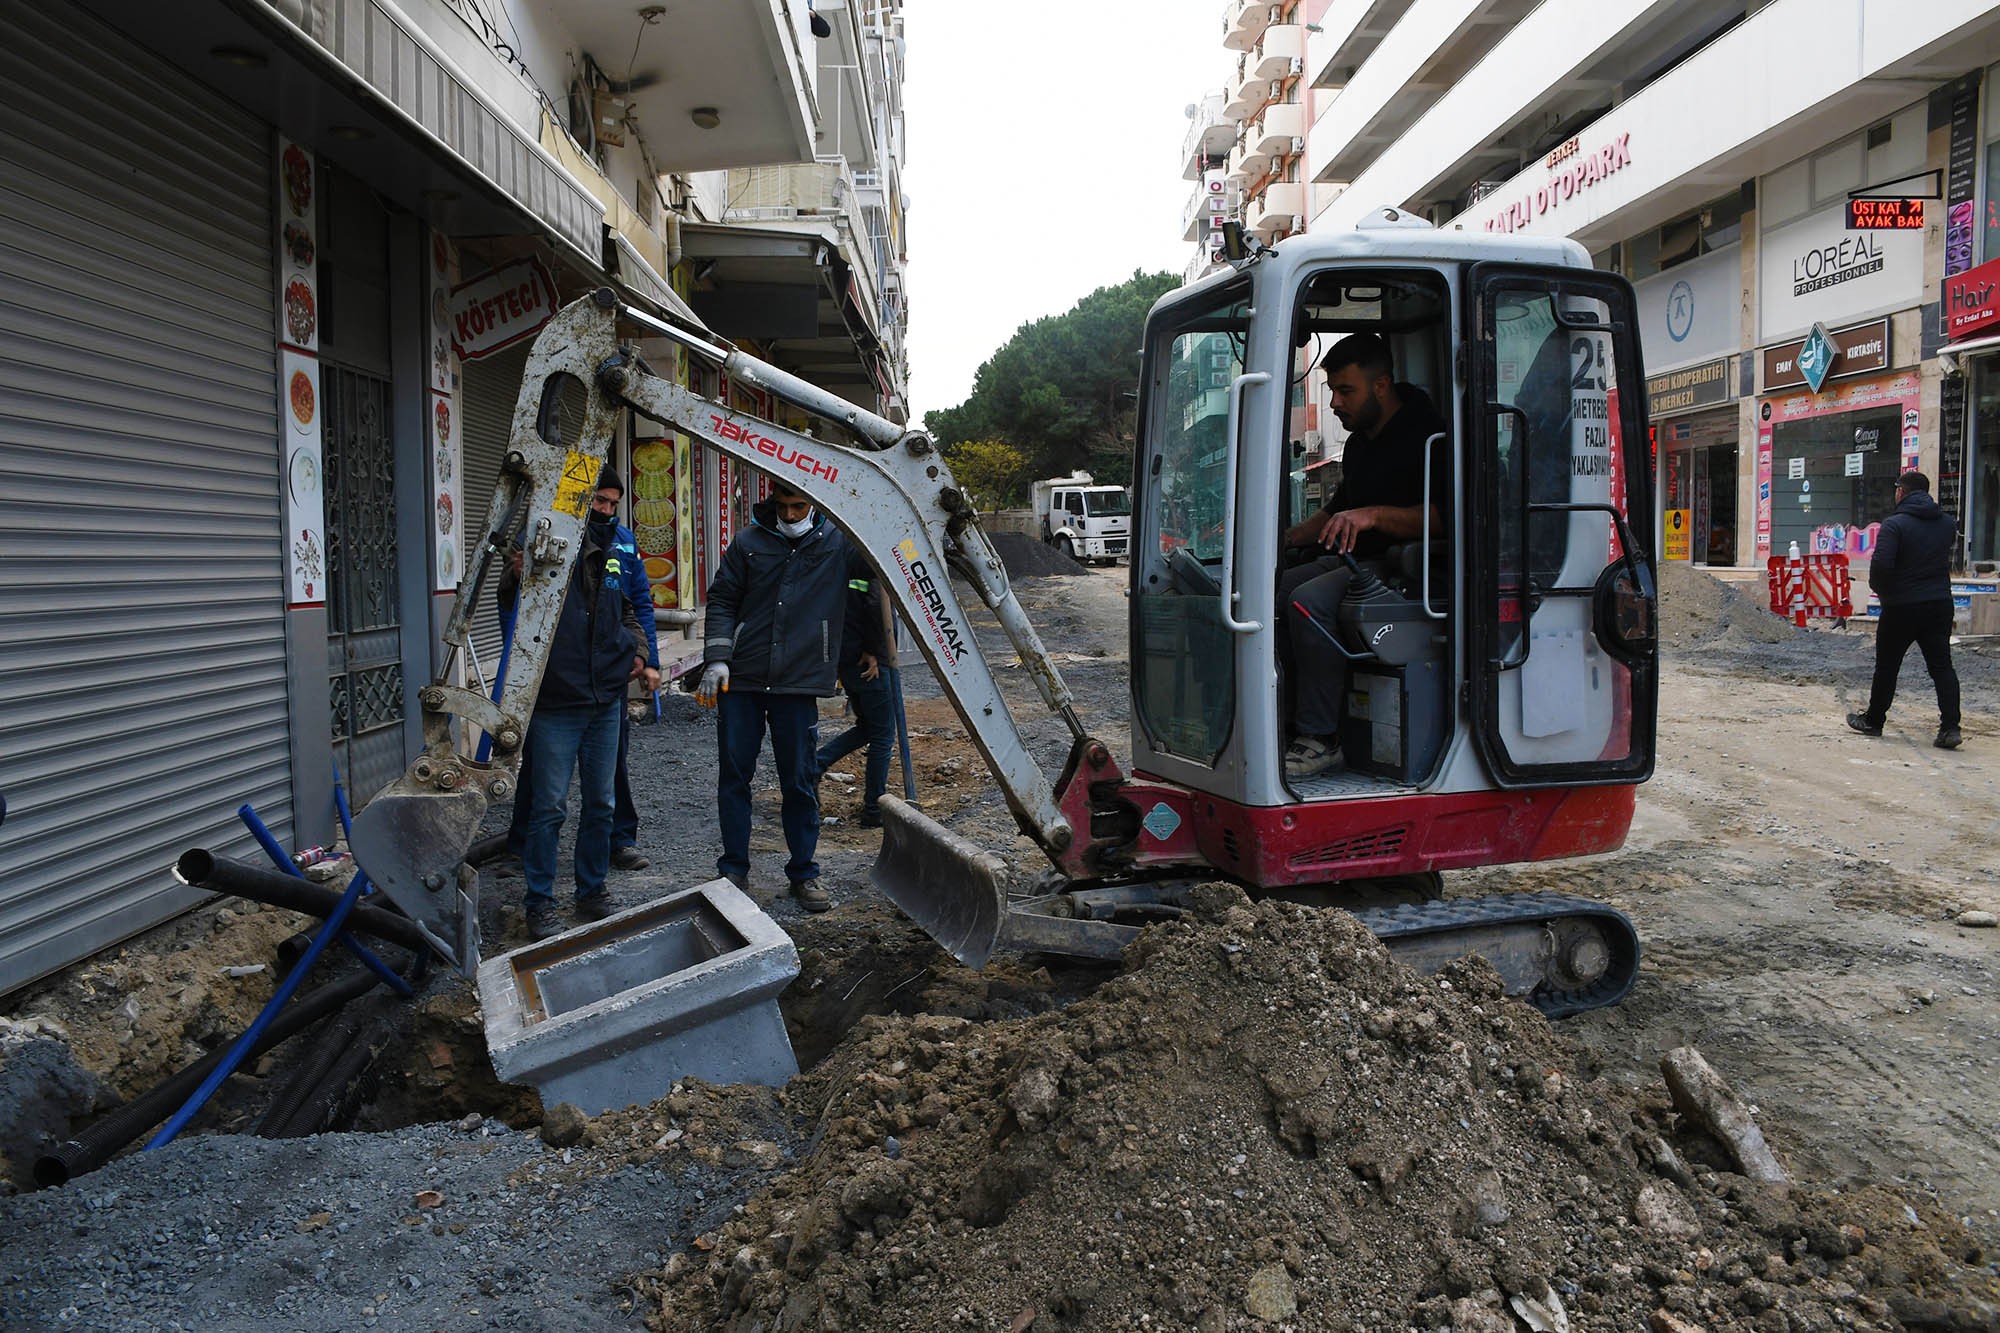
(771, 653)
(594, 650)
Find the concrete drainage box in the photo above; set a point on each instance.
(610, 1014)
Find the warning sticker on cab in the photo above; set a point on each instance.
(579, 480)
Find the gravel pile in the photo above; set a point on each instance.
(1027, 558)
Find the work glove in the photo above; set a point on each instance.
(714, 682)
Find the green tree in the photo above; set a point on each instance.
(1062, 390)
(994, 472)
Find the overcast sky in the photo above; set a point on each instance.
(1044, 139)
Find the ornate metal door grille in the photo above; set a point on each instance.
(364, 618)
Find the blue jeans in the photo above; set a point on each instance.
(561, 740)
(874, 726)
(740, 720)
(625, 816)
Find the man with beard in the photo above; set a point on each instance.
(1379, 503)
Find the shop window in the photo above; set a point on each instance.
(1885, 152)
(1818, 497)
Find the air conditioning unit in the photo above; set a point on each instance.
(1298, 144)
(1277, 88)
(1277, 13)
(1298, 64)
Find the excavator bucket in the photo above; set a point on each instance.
(954, 890)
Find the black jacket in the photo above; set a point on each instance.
(1912, 558)
(596, 635)
(867, 624)
(776, 606)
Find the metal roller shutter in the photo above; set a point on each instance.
(490, 387)
(142, 636)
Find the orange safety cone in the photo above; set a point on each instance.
(1796, 570)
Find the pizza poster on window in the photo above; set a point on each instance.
(302, 477)
(444, 436)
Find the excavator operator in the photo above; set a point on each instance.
(1380, 502)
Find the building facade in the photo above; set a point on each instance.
(268, 274)
(1709, 152)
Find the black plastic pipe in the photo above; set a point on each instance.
(327, 1048)
(333, 1097)
(97, 1144)
(479, 853)
(205, 870)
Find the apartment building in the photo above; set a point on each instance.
(1709, 150)
(268, 273)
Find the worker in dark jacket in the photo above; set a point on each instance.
(1910, 571)
(625, 853)
(771, 651)
(866, 649)
(593, 652)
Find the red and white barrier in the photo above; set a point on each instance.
(1815, 586)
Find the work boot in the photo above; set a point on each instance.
(869, 819)
(597, 906)
(742, 882)
(1860, 722)
(810, 895)
(544, 923)
(1948, 738)
(628, 858)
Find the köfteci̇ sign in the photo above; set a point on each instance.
(500, 308)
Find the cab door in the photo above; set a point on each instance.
(1563, 612)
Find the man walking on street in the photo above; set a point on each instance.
(771, 648)
(1911, 574)
(594, 651)
(866, 656)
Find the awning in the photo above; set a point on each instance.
(1971, 347)
(791, 291)
(369, 91)
(640, 280)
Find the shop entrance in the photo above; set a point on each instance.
(1833, 479)
(1701, 478)
(1983, 482)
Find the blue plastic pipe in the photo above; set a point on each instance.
(335, 922)
(500, 676)
(267, 841)
(902, 734)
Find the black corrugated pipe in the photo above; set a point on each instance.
(327, 1048)
(337, 1092)
(205, 870)
(479, 853)
(95, 1145)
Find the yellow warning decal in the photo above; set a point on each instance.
(579, 479)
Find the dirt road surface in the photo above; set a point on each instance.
(1041, 1147)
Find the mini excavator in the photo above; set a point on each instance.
(1503, 666)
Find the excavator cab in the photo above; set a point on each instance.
(1502, 673)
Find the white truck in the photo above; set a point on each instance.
(1084, 520)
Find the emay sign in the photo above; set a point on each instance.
(1971, 301)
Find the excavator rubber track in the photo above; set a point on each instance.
(1527, 936)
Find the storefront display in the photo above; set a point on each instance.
(1827, 464)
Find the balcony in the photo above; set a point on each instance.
(1196, 212)
(751, 62)
(1243, 22)
(1348, 35)
(1415, 64)
(1249, 91)
(1281, 208)
(1209, 136)
(1282, 123)
(1281, 52)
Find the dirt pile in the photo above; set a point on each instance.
(1698, 610)
(1261, 1092)
(1027, 558)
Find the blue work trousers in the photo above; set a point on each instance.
(560, 741)
(874, 726)
(625, 815)
(741, 718)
